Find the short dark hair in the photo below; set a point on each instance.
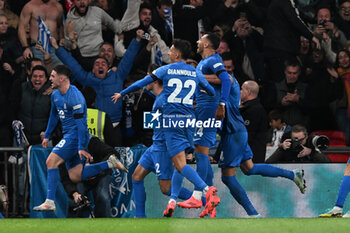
(145, 5)
(214, 40)
(293, 61)
(42, 68)
(184, 47)
(275, 114)
(299, 128)
(101, 57)
(63, 70)
(29, 62)
(164, 2)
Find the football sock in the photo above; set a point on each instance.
(184, 193)
(239, 194)
(270, 171)
(343, 191)
(189, 173)
(202, 167)
(176, 183)
(210, 175)
(140, 198)
(53, 176)
(93, 169)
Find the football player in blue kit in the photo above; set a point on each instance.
(237, 153)
(155, 159)
(180, 81)
(208, 108)
(68, 105)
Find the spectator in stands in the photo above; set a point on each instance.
(159, 21)
(290, 94)
(332, 39)
(220, 29)
(107, 51)
(277, 128)
(247, 44)
(12, 52)
(51, 13)
(153, 48)
(7, 76)
(189, 23)
(31, 105)
(342, 19)
(255, 119)
(282, 32)
(305, 52)
(108, 34)
(223, 47)
(320, 93)
(86, 22)
(13, 19)
(103, 82)
(343, 79)
(297, 147)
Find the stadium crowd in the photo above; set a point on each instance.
(291, 59)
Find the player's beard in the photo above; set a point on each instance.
(45, 1)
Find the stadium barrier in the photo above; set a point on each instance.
(272, 197)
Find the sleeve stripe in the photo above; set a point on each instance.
(155, 78)
(78, 115)
(219, 72)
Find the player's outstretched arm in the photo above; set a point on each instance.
(134, 87)
(205, 85)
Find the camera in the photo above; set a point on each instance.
(85, 203)
(320, 142)
(295, 144)
(322, 22)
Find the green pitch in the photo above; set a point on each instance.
(268, 225)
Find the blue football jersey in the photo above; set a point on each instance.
(233, 121)
(210, 65)
(158, 136)
(180, 81)
(65, 107)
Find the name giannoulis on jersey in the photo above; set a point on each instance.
(183, 72)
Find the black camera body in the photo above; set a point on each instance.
(322, 22)
(295, 144)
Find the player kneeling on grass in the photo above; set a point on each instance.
(68, 105)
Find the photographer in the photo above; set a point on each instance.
(297, 147)
(332, 39)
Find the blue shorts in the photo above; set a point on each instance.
(67, 149)
(158, 162)
(205, 136)
(178, 139)
(235, 150)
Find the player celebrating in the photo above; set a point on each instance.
(68, 105)
(208, 107)
(180, 82)
(237, 153)
(155, 159)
